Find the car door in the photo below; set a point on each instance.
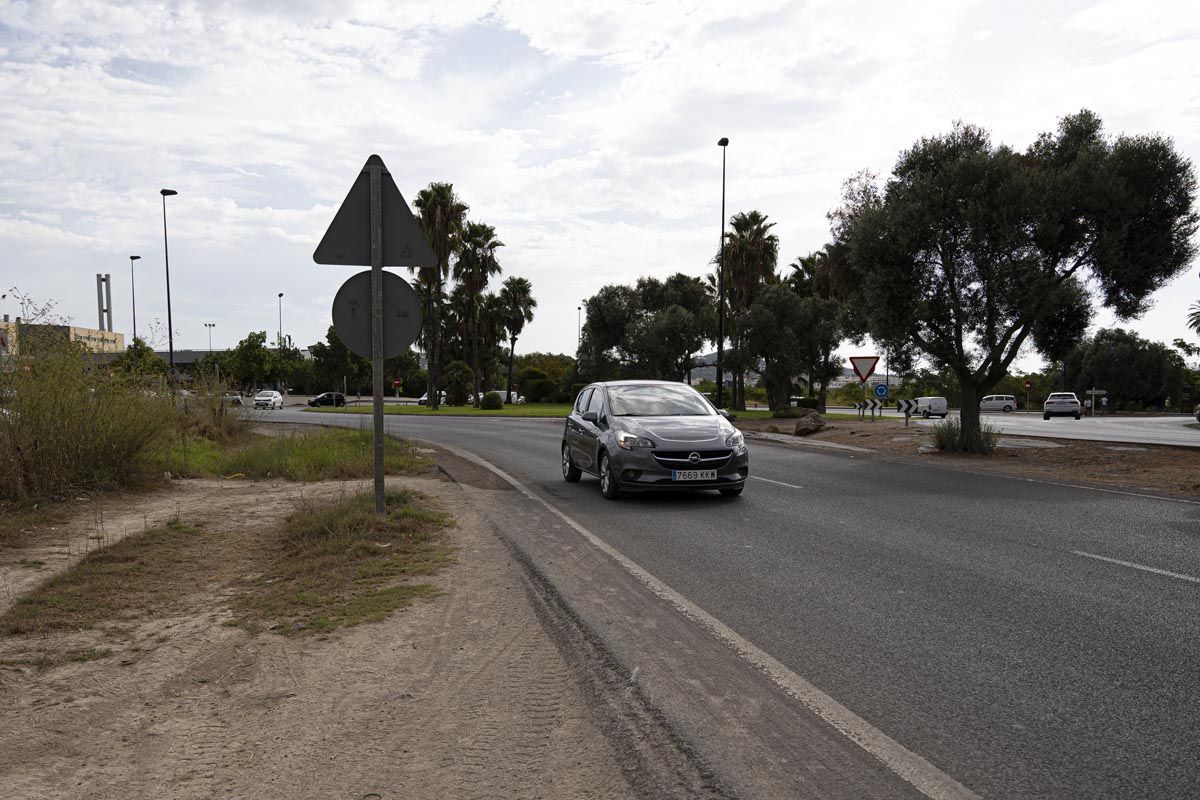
(589, 433)
(574, 431)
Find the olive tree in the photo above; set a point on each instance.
(970, 250)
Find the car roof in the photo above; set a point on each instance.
(647, 382)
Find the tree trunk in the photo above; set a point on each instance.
(435, 333)
(476, 380)
(970, 437)
(512, 350)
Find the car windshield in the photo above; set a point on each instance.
(265, 394)
(657, 401)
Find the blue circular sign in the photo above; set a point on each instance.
(881, 390)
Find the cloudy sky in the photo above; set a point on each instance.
(584, 132)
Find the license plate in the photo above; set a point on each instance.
(693, 474)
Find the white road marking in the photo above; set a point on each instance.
(1142, 567)
(907, 765)
(1105, 491)
(781, 483)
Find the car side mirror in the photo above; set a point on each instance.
(590, 416)
(723, 413)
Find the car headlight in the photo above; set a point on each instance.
(736, 441)
(628, 441)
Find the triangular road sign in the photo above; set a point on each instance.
(348, 240)
(863, 366)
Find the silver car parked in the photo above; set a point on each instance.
(652, 435)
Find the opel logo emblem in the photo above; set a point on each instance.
(694, 458)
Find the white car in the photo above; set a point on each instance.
(998, 402)
(423, 400)
(932, 407)
(268, 399)
(1062, 404)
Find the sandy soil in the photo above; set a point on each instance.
(465, 696)
(1151, 468)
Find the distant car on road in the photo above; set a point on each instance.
(998, 402)
(233, 399)
(328, 399)
(423, 400)
(268, 399)
(652, 435)
(1061, 404)
(932, 407)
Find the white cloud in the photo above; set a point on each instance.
(585, 133)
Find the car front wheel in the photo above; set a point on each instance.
(570, 472)
(608, 481)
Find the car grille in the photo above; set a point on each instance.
(679, 459)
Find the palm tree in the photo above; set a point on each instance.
(440, 214)
(751, 256)
(476, 263)
(1193, 319)
(516, 295)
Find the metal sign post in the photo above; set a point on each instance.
(377, 329)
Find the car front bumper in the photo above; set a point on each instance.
(639, 471)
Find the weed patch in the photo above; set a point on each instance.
(326, 454)
(343, 564)
(947, 432)
(138, 575)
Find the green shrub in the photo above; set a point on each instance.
(947, 433)
(68, 426)
(789, 413)
(807, 402)
(540, 390)
(492, 401)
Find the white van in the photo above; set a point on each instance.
(932, 407)
(998, 402)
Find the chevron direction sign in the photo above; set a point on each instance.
(906, 407)
(869, 405)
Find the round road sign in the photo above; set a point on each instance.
(881, 390)
(401, 314)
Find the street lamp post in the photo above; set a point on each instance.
(210, 326)
(578, 327)
(167, 265)
(723, 142)
(133, 294)
(279, 340)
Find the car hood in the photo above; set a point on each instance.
(676, 430)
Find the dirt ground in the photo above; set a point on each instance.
(464, 696)
(1150, 468)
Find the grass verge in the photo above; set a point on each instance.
(524, 410)
(321, 454)
(344, 565)
(133, 577)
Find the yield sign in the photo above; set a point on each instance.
(863, 366)
(348, 240)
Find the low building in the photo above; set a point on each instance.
(21, 338)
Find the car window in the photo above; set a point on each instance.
(596, 401)
(582, 401)
(657, 401)
(1063, 396)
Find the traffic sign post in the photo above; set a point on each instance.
(1028, 386)
(356, 237)
(1093, 393)
(907, 408)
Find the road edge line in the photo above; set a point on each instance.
(911, 767)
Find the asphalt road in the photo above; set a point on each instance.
(1029, 639)
(1166, 429)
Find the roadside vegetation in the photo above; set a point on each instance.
(525, 410)
(137, 576)
(343, 564)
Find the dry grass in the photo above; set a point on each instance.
(139, 575)
(343, 564)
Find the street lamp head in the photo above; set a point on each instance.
(134, 258)
(723, 141)
(281, 294)
(167, 192)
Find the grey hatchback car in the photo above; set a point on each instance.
(652, 435)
